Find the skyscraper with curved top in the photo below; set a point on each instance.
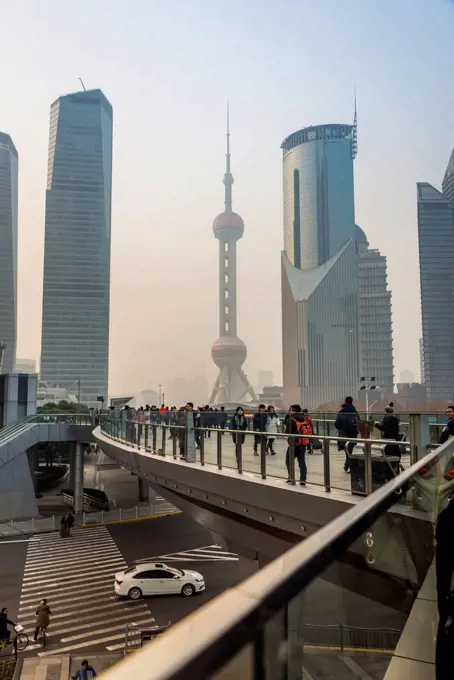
(319, 265)
(228, 351)
(8, 250)
(76, 296)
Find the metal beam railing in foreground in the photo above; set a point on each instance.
(256, 629)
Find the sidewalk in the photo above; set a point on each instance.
(61, 667)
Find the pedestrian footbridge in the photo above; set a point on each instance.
(256, 508)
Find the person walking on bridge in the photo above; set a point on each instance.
(347, 424)
(296, 423)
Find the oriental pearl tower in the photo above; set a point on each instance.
(229, 352)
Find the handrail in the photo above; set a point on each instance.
(197, 647)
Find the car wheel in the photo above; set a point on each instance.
(135, 594)
(188, 590)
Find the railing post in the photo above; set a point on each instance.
(291, 461)
(120, 513)
(367, 468)
(263, 457)
(341, 636)
(202, 450)
(239, 453)
(219, 449)
(415, 437)
(146, 436)
(174, 443)
(154, 436)
(163, 444)
(326, 465)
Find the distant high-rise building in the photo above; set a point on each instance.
(229, 352)
(436, 257)
(264, 379)
(375, 320)
(75, 330)
(8, 249)
(319, 266)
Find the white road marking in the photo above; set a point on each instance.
(88, 610)
(98, 641)
(49, 590)
(142, 610)
(70, 567)
(68, 559)
(29, 589)
(67, 548)
(207, 553)
(107, 630)
(354, 667)
(77, 574)
(91, 593)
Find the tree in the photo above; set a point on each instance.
(63, 406)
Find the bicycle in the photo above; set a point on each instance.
(42, 635)
(18, 639)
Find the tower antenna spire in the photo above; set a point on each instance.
(354, 146)
(228, 178)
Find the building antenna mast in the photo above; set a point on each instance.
(82, 83)
(354, 146)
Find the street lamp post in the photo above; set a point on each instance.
(160, 394)
(366, 384)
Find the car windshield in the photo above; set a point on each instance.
(176, 571)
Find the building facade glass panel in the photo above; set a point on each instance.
(8, 249)
(76, 296)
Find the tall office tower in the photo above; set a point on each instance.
(75, 331)
(436, 257)
(375, 319)
(319, 266)
(8, 250)
(229, 352)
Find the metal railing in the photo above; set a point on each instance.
(253, 629)
(344, 637)
(38, 525)
(371, 462)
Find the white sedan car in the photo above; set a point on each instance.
(157, 579)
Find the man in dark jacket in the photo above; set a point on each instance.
(347, 425)
(4, 623)
(448, 430)
(389, 427)
(295, 416)
(259, 425)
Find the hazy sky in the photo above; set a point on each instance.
(168, 69)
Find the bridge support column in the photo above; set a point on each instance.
(79, 479)
(72, 465)
(141, 490)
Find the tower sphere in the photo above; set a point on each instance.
(229, 352)
(228, 224)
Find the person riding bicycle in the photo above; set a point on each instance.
(5, 634)
(42, 618)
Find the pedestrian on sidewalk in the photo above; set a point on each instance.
(239, 427)
(259, 425)
(70, 522)
(85, 672)
(64, 527)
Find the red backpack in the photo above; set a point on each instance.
(303, 428)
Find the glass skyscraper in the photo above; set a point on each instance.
(8, 249)
(319, 266)
(436, 257)
(76, 296)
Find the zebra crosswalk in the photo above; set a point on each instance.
(76, 575)
(209, 553)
